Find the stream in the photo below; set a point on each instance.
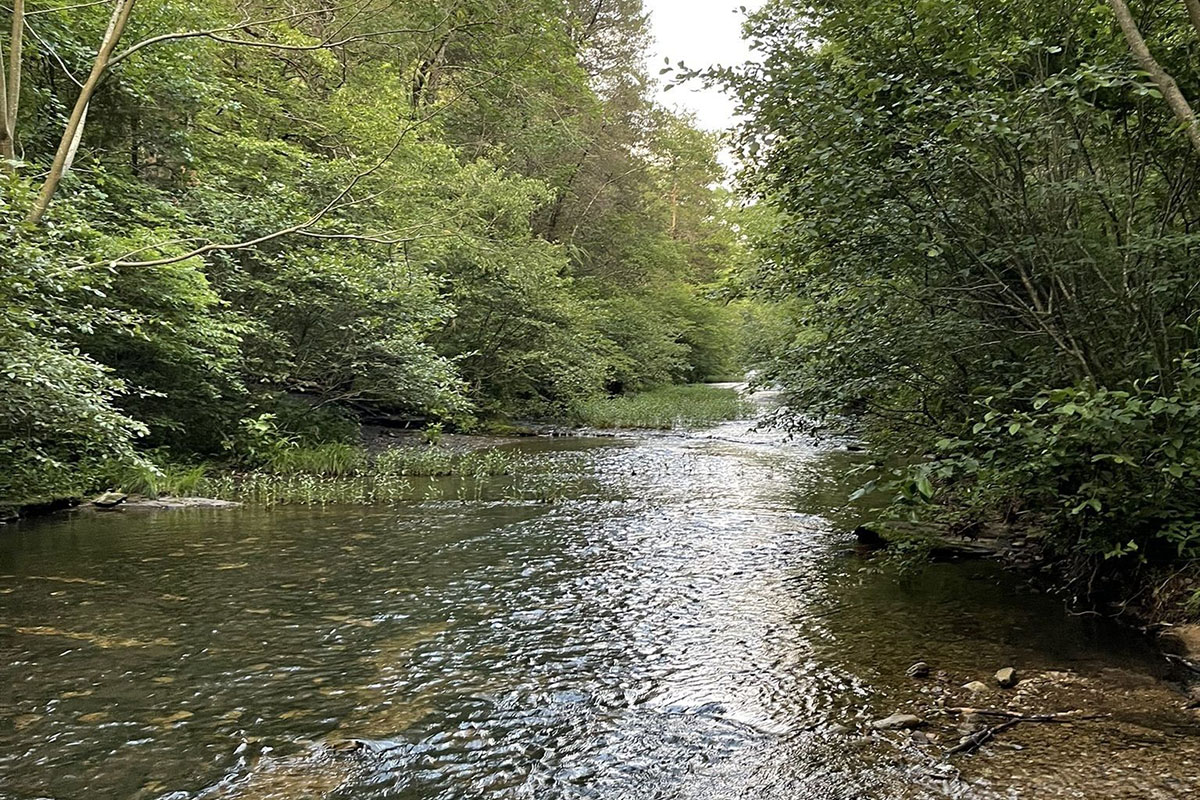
(690, 621)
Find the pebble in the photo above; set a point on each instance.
(918, 670)
(897, 721)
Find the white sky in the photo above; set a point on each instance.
(700, 33)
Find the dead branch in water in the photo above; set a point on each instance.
(972, 742)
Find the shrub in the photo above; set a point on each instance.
(1111, 474)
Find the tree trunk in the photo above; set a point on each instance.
(13, 96)
(10, 87)
(6, 142)
(1165, 83)
(73, 132)
(674, 207)
(1193, 9)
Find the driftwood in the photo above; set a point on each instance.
(1183, 662)
(1061, 716)
(942, 547)
(972, 742)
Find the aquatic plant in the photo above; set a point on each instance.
(691, 406)
(269, 489)
(335, 474)
(153, 481)
(325, 459)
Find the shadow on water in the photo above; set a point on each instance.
(695, 630)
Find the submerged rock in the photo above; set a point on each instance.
(36, 508)
(975, 687)
(166, 503)
(1182, 640)
(869, 537)
(1007, 677)
(918, 670)
(898, 721)
(110, 499)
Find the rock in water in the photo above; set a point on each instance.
(1007, 677)
(897, 722)
(1182, 640)
(110, 499)
(975, 687)
(918, 670)
(869, 538)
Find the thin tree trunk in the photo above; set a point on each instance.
(8, 121)
(1193, 9)
(425, 79)
(6, 142)
(1165, 83)
(674, 207)
(13, 97)
(74, 148)
(73, 132)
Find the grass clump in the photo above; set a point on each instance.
(153, 481)
(344, 474)
(690, 406)
(328, 460)
(270, 489)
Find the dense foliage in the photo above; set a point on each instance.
(986, 247)
(273, 213)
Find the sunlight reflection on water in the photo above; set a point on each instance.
(694, 633)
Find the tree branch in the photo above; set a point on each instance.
(218, 35)
(74, 128)
(303, 226)
(1193, 9)
(1166, 84)
(65, 8)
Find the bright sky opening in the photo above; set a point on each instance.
(700, 33)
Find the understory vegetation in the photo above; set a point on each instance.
(984, 250)
(234, 227)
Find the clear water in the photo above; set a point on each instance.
(692, 626)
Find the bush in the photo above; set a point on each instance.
(59, 423)
(1110, 474)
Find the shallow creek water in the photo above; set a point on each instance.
(691, 623)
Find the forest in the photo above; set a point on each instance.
(233, 224)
